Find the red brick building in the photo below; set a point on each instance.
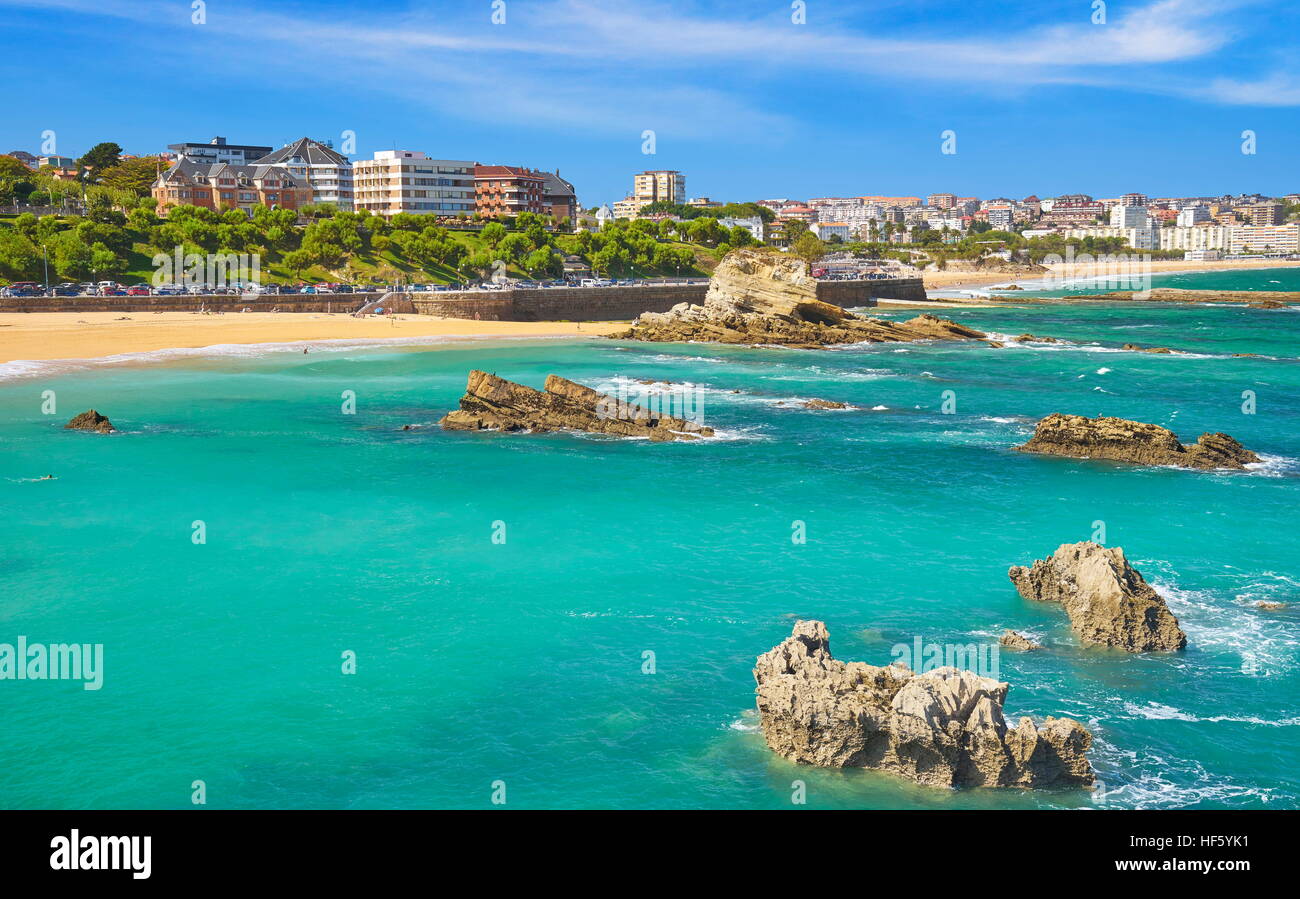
(222, 186)
(508, 190)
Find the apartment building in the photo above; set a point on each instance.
(559, 199)
(663, 186)
(328, 172)
(222, 186)
(397, 181)
(1196, 238)
(507, 190)
(942, 201)
(1138, 238)
(1126, 216)
(1266, 239)
(218, 150)
(1262, 213)
(1192, 215)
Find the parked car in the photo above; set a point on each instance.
(308, 289)
(137, 290)
(65, 290)
(169, 290)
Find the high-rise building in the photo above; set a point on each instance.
(398, 181)
(1129, 217)
(328, 172)
(663, 186)
(943, 201)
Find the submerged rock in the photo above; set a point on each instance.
(943, 728)
(1016, 640)
(1133, 441)
(91, 420)
(761, 297)
(1032, 338)
(1107, 599)
(495, 404)
(1138, 348)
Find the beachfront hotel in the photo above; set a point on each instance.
(397, 181)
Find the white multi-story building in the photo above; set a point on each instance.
(328, 172)
(827, 230)
(398, 181)
(1130, 217)
(1195, 239)
(1193, 215)
(754, 225)
(1138, 238)
(1266, 239)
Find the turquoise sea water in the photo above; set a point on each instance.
(522, 661)
(1248, 279)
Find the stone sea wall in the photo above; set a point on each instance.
(627, 302)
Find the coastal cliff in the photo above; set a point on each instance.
(942, 728)
(1107, 599)
(495, 404)
(765, 298)
(1123, 440)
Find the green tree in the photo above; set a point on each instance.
(101, 157)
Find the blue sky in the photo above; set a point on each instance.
(745, 101)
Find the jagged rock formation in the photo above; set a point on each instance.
(1107, 599)
(1018, 641)
(495, 404)
(943, 727)
(759, 297)
(824, 404)
(1133, 441)
(91, 420)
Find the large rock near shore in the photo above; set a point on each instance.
(764, 297)
(495, 404)
(1133, 441)
(90, 420)
(1107, 599)
(944, 727)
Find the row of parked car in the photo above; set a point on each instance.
(114, 289)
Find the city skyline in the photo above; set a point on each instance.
(1070, 107)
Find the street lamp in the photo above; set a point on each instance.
(45, 254)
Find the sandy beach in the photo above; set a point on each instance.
(91, 335)
(962, 280)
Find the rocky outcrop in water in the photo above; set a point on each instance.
(91, 420)
(495, 404)
(943, 727)
(1017, 641)
(824, 404)
(1133, 441)
(1138, 348)
(1266, 299)
(1107, 599)
(761, 297)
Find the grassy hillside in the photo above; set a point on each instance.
(346, 247)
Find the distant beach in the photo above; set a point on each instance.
(952, 281)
